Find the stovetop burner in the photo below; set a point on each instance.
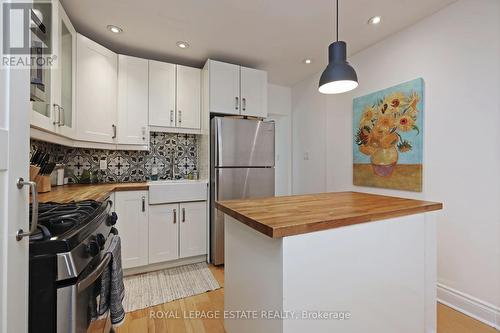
(55, 219)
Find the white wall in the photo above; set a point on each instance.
(457, 53)
(280, 110)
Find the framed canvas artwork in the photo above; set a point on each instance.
(388, 137)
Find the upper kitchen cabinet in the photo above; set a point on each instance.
(188, 97)
(132, 101)
(64, 91)
(253, 92)
(96, 92)
(53, 88)
(235, 90)
(174, 96)
(224, 87)
(161, 94)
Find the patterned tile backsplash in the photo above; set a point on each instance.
(175, 156)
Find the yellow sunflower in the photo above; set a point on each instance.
(413, 101)
(405, 123)
(366, 118)
(385, 123)
(392, 103)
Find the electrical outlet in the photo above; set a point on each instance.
(306, 156)
(103, 164)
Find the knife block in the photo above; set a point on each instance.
(43, 183)
(34, 170)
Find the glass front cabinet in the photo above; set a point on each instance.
(53, 87)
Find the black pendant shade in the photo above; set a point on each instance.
(339, 76)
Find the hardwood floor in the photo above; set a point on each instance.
(149, 320)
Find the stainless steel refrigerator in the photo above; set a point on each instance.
(242, 167)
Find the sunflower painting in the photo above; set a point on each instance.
(388, 137)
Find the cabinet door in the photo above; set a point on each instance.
(163, 233)
(132, 101)
(42, 94)
(161, 94)
(96, 91)
(253, 92)
(188, 97)
(224, 83)
(193, 229)
(132, 210)
(66, 75)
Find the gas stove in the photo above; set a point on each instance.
(68, 253)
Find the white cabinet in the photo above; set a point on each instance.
(177, 231)
(132, 210)
(174, 96)
(253, 92)
(55, 109)
(132, 101)
(188, 97)
(163, 233)
(96, 91)
(193, 229)
(224, 86)
(236, 90)
(161, 94)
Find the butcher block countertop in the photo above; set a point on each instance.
(293, 215)
(80, 192)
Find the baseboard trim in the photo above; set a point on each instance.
(468, 305)
(164, 265)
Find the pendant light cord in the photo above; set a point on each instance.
(337, 20)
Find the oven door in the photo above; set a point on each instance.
(74, 302)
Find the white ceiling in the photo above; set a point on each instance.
(275, 35)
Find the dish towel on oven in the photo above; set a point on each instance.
(112, 288)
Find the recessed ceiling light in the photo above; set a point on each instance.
(182, 45)
(307, 61)
(114, 29)
(374, 20)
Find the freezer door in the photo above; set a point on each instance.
(243, 142)
(239, 183)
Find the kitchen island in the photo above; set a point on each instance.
(334, 262)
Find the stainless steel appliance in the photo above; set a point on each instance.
(242, 166)
(68, 254)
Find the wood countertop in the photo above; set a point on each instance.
(293, 215)
(80, 192)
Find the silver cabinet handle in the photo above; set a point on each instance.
(183, 214)
(143, 203)
(180, 116)
(171, 117)
(58, 113)
(237, 104)
(175, 216)
(114, 131)
(244, 104)
(61, 116)
(34, 209)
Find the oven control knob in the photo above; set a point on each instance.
(112, 218)
(92, 248)
(101, 240)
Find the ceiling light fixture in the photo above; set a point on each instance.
(339, 76)
(114, 29)
(374, 20)
(307, 61)
(182, 45)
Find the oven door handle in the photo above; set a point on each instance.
(92, 277)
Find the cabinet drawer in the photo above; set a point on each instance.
(170, 192)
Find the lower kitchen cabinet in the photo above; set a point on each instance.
(177, 231)
(193, 229)
(154, 234)
(132, 210)
(163, 233)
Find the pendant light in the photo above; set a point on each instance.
(339, 76)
